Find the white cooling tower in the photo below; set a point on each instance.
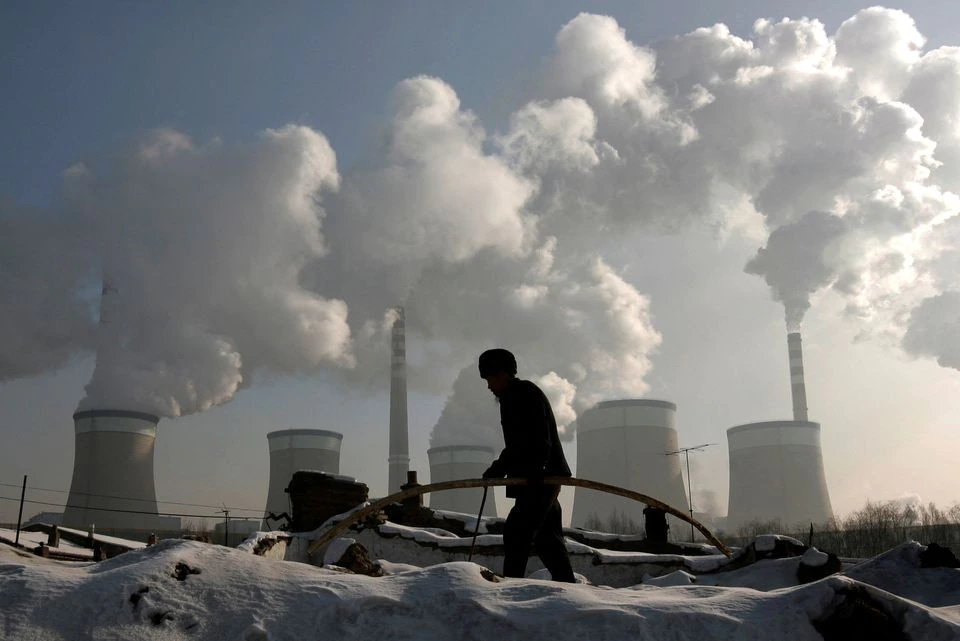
(294, 450)
(776, 473)
(456, 462)
(625, 443)
(112, 486)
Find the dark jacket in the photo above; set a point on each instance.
(530, 435)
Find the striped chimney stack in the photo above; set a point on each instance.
(797, 385)
(399, 458)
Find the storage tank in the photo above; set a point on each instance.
(776, 473)
(626, 443)
(112, 486)
(294, 450)
(457, 462)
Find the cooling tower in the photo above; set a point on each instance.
(776, 473)
(112, 486)
(798, 387)
(294, 450)
(625, 443)
(399, 458)
(455, 462)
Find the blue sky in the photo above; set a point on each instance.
(79, 80)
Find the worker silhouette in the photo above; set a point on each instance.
(532, 451)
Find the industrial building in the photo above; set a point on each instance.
(456, 462)
(627, 443)
(294, 450)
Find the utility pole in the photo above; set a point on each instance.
(686, 453)
(226, 525)
(23, 493)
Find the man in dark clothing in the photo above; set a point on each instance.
(532, 451)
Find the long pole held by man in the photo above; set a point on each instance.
(532, 451)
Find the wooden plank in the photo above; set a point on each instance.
(341, 527)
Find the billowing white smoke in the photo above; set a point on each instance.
(934, 329)
(796, 261)
(843, 148)
(46, 316)
(204, 247)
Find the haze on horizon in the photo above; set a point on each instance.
(638, 205)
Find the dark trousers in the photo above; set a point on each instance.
(536, 519)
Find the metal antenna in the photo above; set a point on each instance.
(686, 453)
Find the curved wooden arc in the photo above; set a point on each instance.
(341, 527)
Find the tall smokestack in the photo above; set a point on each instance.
(797, 385)
(399, 459)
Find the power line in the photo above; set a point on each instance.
(108, 509)
(130, 498)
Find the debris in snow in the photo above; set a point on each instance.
(936, 556)
(336, 549)
(355, 559)
(182, 571)
(136, 596)
(815, 565)
(855, 614)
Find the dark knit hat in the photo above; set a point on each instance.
(494, 361)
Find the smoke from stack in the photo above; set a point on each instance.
(257, 251)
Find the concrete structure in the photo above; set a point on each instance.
(625, 443)
(112, 486)
(294, 450)
(399, 452)
(457, 462)
(776, 473)
(798, 387)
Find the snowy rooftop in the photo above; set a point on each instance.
(184, 589)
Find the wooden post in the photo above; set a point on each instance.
(23, 492)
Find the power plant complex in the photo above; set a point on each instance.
(776, 467)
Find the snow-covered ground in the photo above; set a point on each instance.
(190, 590)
